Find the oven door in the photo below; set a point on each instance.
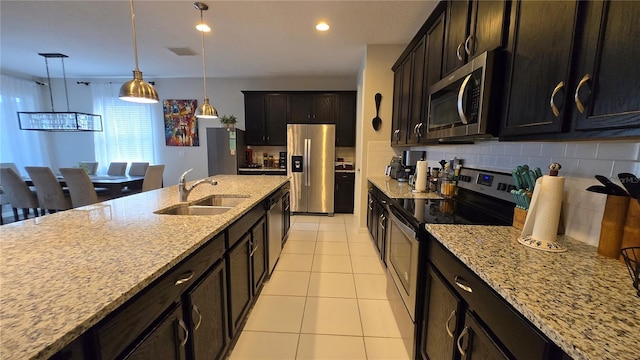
(402, 258)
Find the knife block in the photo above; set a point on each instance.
(631, 229)
(612, 226)
(519, 216)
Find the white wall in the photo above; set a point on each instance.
(66, 149)
(373, 147)
(580, 160)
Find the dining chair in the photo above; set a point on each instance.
(117, 169)
(90, 166)
(50, 194)
(153, 178)
(80, 187)
(16, 192)
(138, 168)
(11, 166)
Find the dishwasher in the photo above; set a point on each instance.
(275, 227)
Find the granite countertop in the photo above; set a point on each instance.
(583, 302)
(62, 273)
(395, 189)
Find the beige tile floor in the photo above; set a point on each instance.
(326, 299)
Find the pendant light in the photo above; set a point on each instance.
(137, 90)
(206, 110)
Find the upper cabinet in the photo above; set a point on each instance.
(313, 108)
(539, 56)
(473, 27)
(346, 120)
(606, 88)
(268, 113)
(574, 74)
(265, 119)
(418, 68)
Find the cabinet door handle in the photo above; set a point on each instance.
(462, 284)
(195, 308)
(185, 278)
(420, 129)
(371, 204)
(253, 249)
(383, 222)
(467, 48)
(398, 135)
(446, 325)
(576, 96)
(458, 55)
(459, 342)
(463, 89)
(183, 342)
(554, 108)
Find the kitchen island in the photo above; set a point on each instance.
(61, 274)
(585, 303)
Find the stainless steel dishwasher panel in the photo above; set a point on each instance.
(275, 223)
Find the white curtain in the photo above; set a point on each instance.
(22, 147)
(128, 130)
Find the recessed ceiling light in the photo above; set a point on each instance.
(322, 26)
(203, 27)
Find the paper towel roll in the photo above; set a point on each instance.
(543, 215)
(421, 175)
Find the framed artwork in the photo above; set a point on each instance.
(180, 123)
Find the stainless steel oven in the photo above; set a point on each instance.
(402, 258)
(459, 105)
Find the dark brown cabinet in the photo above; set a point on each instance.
(418, 57)
(401, 102)
(346, 120)
(167, 340)
(377, 219)
(440, 322)
(258, 254)
(474, 342)
(265, 118)
(539, 56)
(208, 315)
(606, 92)
(240, 284)
(321, 108)
(343, 194)
(473, 27)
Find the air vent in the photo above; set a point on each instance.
(182, 51)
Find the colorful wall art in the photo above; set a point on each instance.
(180, 123)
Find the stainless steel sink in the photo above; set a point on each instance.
(194, 210)
(212, 205)
(217, 200)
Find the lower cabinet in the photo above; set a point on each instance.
(240, 285)
(343, 195)
(258, 254)
(206, 306)
(166, 341)
(464, 318)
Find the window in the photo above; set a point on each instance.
(24, 148)
(128, 130)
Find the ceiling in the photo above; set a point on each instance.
(249, 38)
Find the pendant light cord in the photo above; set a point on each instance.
(135, 41)
(46, 63)
(204, 68)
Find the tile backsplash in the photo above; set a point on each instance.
(582, 210)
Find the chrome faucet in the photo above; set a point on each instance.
(183, 190)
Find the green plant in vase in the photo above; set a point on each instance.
(229, 121)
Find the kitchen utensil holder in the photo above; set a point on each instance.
(612, 226)
(631, 256)
(519, 216)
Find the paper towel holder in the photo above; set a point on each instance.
(527, 239)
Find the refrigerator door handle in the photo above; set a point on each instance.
(307, 162)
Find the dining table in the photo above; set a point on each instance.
(114, 184)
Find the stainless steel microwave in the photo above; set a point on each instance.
(459, 104)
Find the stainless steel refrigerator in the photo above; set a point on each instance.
(225, 151)
(311, 167)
